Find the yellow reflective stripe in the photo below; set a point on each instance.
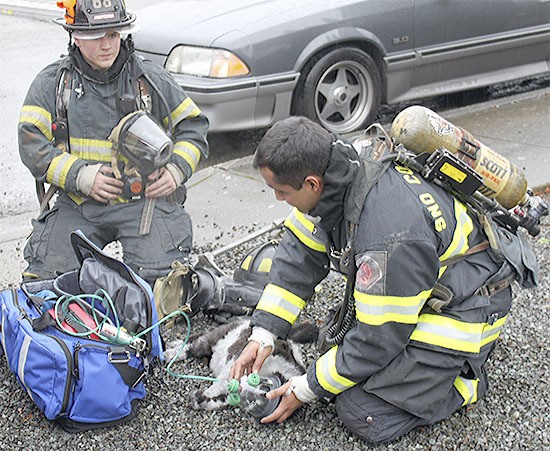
(376, 310)
(463, 229)
(79, 199)
(185, 109)
(39, 117)
(265, 265)
(304, 230)
(246, 263)
(448, 333)
(467, 389)
(59, 168)
(91, 149)
(281, 303)
(327, 374)
(188, 152)
(76, 198)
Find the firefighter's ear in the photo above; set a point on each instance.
(314, 182)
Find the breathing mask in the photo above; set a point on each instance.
(146, 146)
(249, 393)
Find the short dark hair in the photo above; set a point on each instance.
(294, 148)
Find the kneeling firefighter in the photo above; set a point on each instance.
(429, 271)
(116, 138)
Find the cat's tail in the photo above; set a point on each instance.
(304, 332)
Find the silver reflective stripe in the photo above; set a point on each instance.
(272, 303)
(380, 310)
(91, 149)
(22, 361)
(463, 229)
(447, 332)
(300, 225)
(327, 373)
(471, 390)
(184, 110)
(335, 385)
(467, 389)
(59, 168)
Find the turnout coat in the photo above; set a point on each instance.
(426, 362)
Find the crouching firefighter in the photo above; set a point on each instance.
(116, 138)
(426, 294)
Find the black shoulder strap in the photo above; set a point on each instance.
(60, 128)
(375, 146)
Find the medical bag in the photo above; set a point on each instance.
(82, 361)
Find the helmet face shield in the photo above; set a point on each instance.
(89, 35)
(145, 143)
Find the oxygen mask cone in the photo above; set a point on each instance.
(249, 393)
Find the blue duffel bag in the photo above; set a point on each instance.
(81, 344)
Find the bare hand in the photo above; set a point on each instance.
(105, 187)
(250, 361)
(163, 184)
(289, 403)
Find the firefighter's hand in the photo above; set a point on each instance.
(289, 403)
(105, 187)
(250, 361)
(162, 184)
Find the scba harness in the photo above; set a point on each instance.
(504, 241)
(140, 144)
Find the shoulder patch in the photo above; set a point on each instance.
(371, 273)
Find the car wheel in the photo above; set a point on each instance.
(341, 90)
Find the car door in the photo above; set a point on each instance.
(462, 44)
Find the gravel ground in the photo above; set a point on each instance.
(511, 417)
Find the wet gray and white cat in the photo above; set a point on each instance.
(224, 344)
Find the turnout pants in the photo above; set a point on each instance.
(425, 383)
(48, 251)
(376, 421)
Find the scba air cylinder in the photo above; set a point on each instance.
(420, 130)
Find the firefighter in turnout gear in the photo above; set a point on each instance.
(66, 140)
(428, 295)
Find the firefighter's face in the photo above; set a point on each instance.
(304, 199)
(100, 53)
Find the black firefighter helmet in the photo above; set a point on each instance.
(222, 297)
(90, 19)
(254, 268)
(204, 287)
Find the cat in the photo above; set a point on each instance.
(224, 344)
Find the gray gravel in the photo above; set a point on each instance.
(512, 416)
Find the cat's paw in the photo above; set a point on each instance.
(198, 400)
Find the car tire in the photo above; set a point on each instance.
(341, 90)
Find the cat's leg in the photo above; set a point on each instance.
(212, 398)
